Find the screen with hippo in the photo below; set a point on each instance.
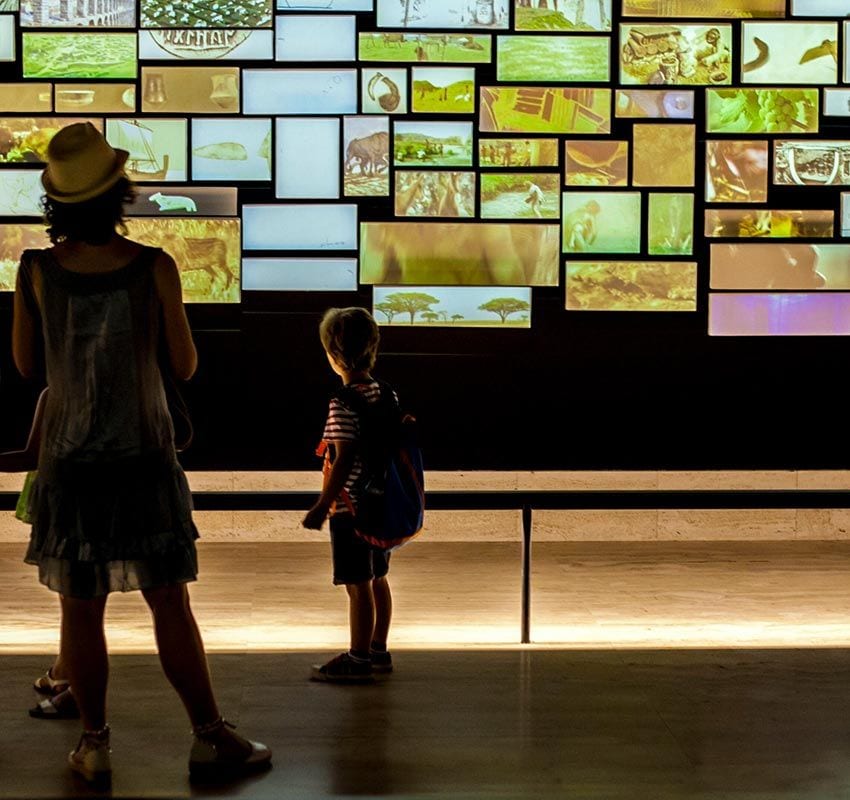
(454, 143)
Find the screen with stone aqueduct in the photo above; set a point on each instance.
(459, 159)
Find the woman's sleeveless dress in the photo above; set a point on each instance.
(111, 508)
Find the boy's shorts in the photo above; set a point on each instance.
(354, 560)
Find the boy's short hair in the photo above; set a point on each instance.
(350, 336)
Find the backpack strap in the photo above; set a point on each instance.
(354, 399)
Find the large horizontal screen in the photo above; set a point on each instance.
(213, 44)
(773, 314)
(293, 91)
(299, 274)
(315, 38)
(562, 59)
(453, 306)
(434, 47)
(95, 98)
(297, 226)
(780, 266)
(631, 286)
(746, 223)
(190, 90)
(79, 55)
(704, 8)
(448, 254)
(181, 201)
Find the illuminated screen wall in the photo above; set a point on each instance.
(501, 181)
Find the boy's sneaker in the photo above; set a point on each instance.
(343, 669)
(382, 661)
(91, 759)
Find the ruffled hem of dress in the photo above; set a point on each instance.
(132, 520)
(86, 580)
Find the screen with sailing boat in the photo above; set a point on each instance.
(157, 147)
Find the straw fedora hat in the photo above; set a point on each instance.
(81, 164)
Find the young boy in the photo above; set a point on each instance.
(350, 338)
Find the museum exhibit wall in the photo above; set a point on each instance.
(596, 235)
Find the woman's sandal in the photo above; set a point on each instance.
(47, 684)
(218, 753)
(60, 706)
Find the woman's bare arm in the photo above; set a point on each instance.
(27, 459)
(24, 333)
(178, 335)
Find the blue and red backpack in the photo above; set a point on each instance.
(390, 489)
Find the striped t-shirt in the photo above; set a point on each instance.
(343, 425)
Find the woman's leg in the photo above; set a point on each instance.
(181, 651)
(59, 670)
(85, 658)
(184, 661)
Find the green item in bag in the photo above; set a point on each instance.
(22, 509)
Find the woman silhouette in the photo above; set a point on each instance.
(110, 507)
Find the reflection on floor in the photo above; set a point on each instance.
(618, 725)
(612, 709)
(274, 596)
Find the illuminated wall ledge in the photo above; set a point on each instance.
(505, 480)
(549, 526)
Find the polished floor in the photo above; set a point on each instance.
(612, 725)
(660, 670)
